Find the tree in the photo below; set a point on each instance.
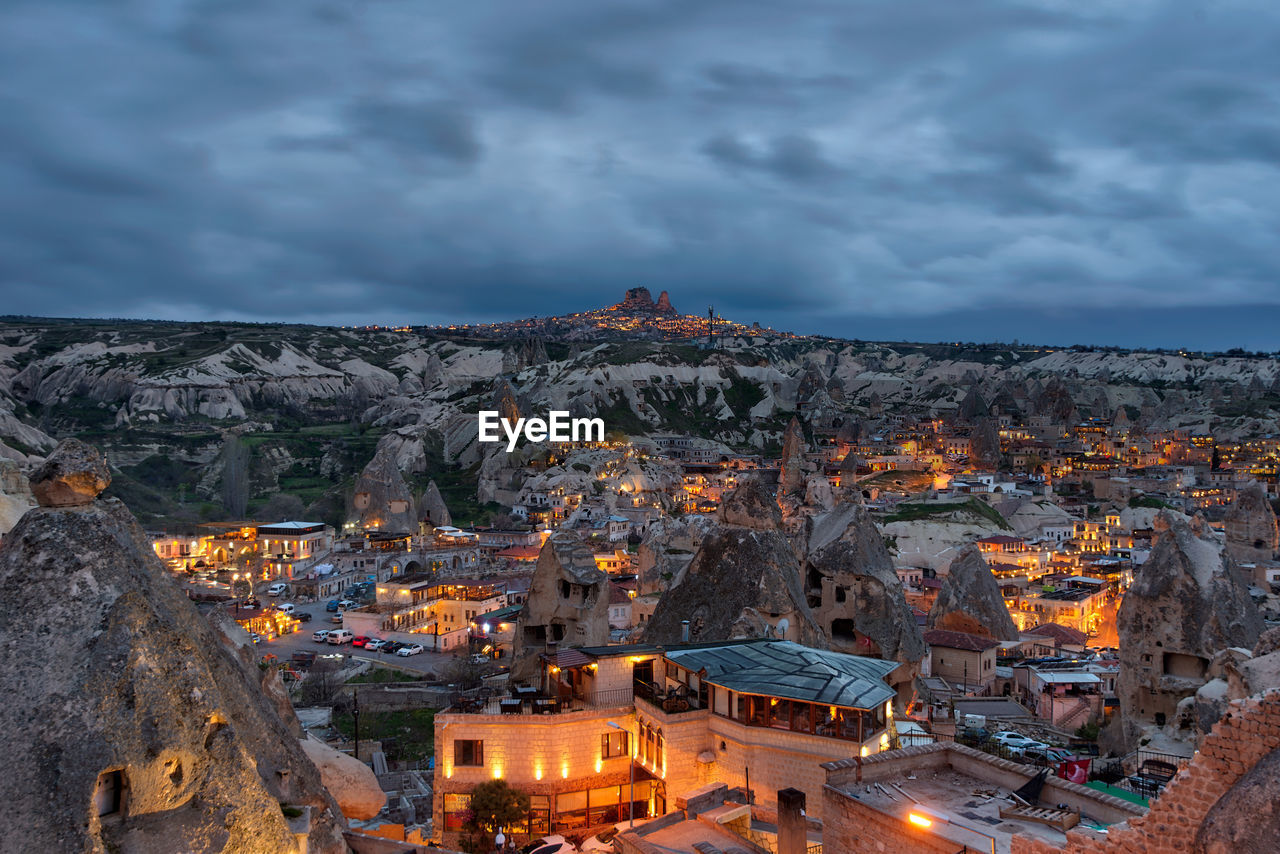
(496, 804)
(235, 476)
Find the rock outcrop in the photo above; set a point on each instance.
(1186, 605)
(137, 727)
(791, 475)
(1250, 525)
(381, 500)
(434, 511)
(72, 476)
(352, 783)
(743, 582)
(984, 445)
(666, 552)
(970, 600)
(15, 495)
(1245, 819)
(853, 590)
(567, 605)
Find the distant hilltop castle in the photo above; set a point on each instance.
(639, 301)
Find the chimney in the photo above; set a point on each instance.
(684, 631)
(792, 835)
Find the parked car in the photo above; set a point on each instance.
(340, 636)
(285, 608)
(374, 644)
(409, 649)
(255, 637)
(549, 845)
(336, 618)
(344, 604)
(321, 636)
(1012, 739)
(302, 616)
(331, 605)
(1044, 755)
(391, 646)
(277, 589)
(360, 641)
(251, 602)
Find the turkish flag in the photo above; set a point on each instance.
(1075, 771)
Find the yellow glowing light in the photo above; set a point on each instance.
(599, 765)
(564, 771)
(865, 751)
(919, 820)
(497, 772)
(537, 773)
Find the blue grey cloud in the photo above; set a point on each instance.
(849, 168)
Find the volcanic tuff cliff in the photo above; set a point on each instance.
(970, 600)
(743, 582)
(854, 591)
(1185, 605)
(313, 402)
(132, 724)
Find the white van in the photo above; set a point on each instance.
(340, 636)
(285, 607)
(277, 589)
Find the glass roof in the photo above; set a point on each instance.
(785, 669)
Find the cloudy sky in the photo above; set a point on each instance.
(1047, 170)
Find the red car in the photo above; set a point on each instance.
(359, 640)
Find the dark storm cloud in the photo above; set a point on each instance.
(818, 166)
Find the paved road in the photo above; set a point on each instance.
(283, 647)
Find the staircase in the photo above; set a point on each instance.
(1074, 718)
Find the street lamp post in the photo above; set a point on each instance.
(631, 801)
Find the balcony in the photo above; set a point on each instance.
(525, 701)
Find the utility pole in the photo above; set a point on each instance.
(355, 717)
(711, 325)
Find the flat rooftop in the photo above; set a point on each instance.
(963, 790)
(960, 797)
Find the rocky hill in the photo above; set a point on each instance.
(199, 420)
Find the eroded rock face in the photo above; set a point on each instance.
(791, 477)
(1245, 820)
(666, 552)
(853, 590)
(568, 604)
(381, 500)
(352, 783)
(970, 600)
(1185, 606)
(984, 445)
(73, 476)
(743, 582)
(141, 730)
(1250, 525)
(434, 510)
(15, 494)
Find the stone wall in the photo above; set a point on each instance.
(1247, 732)
(850, 825)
